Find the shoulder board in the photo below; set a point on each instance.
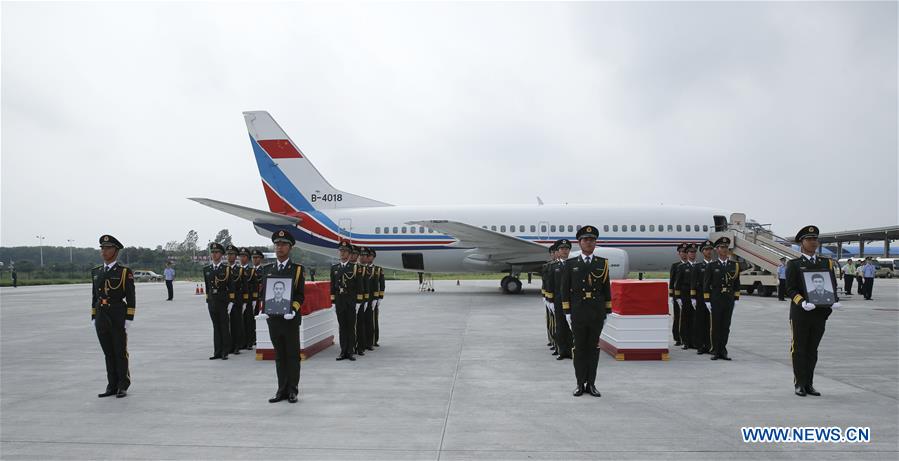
(123, 267)
(98, 267)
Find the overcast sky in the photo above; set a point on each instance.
(113, 114)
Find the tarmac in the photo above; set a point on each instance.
(462, 373)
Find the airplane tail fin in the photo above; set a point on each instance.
(291, 183)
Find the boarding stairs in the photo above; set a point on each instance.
(756, 244)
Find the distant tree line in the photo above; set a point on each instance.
(186, 256)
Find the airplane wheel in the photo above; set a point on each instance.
(504, 282)
(512, 286)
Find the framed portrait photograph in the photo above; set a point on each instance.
(819, 288)
(278, 293)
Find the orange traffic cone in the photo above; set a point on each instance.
(202, 290)
(198, 290)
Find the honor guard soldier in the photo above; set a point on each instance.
(235, 317)
(255, 286)
(284, 330)
(563, 331)
(376, 326)
(362, 325)
(674, 293)
(217, 277)
(545, 275)
(346, 292)
(586, 299)
(372, 300)
(701, 310)
(807, 320)
(683, 283)
(722, 290)
(246, 310)
(112, 310)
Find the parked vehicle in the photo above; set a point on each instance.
(147, 276)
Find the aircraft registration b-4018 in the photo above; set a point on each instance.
(464, 238)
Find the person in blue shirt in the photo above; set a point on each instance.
(169, 275)
(782, 279)
(868, 271)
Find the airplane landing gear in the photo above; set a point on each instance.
(510, 284)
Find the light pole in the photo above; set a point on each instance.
(40, 242)
(71, 241)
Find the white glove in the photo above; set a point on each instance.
(127, 324)
(262, 316)
(709, 307)
(837, 305)
(807, 305)
(568, 320)
(230, 306)
(94, 323)
(290, 316)
(377, 303)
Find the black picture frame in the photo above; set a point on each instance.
(278, 295)
(819, 288)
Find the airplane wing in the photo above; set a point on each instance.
(489, 244)
(250, 214)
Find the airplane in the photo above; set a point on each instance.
(464, 238)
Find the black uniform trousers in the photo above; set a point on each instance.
(722, 312)
(807, 330)
(563, 332)
(376, 327)
(686, 318)
(110, 325)
(782, 288)
(869, 287)
(586, 326)
(346, 324)
(847, 284)
(675, 327)
(369, 325)
(170, 289)
(236, 323)
(361, 327)
(221, 328)
(701, 323)
(285, 335)
(249, 324)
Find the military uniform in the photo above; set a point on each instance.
(346, 292)
(363, 327)
(674, 294)
(217, 278)
(112, 310)
(285, 330)
(545, 275)
(807, 321)
(254, 287)
(563, 331)
(587, 297)
(683, 284)
(702, 340)
(376, 326)
(235, 302)
(721, 288)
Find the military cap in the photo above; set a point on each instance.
(552, 248)
(231, 249)
(258, 253)
(110, 241)
(344, 246)
(215, 246)
(363, 251)
(807, 232)
(282, 236)
(244, 251)
(689, 247)
(354, 249)
(563, 243)
(723, 241)
(372, 252)
(587, 232)
(681, 247)
(706, 244)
